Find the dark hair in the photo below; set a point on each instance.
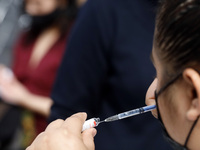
(177, 36)
(62, 18)
(69, 15)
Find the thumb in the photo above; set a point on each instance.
(88, 138)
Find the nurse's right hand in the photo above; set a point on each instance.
(65, 135)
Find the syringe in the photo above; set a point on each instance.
(94, 122)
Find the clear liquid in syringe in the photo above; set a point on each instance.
(94, 122)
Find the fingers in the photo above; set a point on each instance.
(72, 123)
(88, 138)
(35, 143)
(29, 148)
(54, 125)
(75, 123)
(66, 134)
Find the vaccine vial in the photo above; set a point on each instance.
(91, 123)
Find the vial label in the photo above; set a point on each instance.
(89, 124)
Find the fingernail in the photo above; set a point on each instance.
(84, 114)
(94, 132)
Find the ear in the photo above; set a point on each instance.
(192, 77)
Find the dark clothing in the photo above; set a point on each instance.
(9, 123)
(106, 70)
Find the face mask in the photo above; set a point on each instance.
(173, 143)
(39, 23)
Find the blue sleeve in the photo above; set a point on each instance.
(83, 71)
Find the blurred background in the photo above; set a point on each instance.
(59, 57)
(24, 23)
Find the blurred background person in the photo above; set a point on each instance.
(80, 3)
(10, 12)
(36, 58)
(104, 72)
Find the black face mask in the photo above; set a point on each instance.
(173, 143)
(39, 23)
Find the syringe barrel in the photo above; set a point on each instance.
(130, 113)
(112, 118)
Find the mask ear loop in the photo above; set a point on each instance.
(186, 141)
(156, 97)
(189, 134)
(161, 90)
(158, 111)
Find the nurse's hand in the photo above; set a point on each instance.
(150, 97)
(65, 135)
